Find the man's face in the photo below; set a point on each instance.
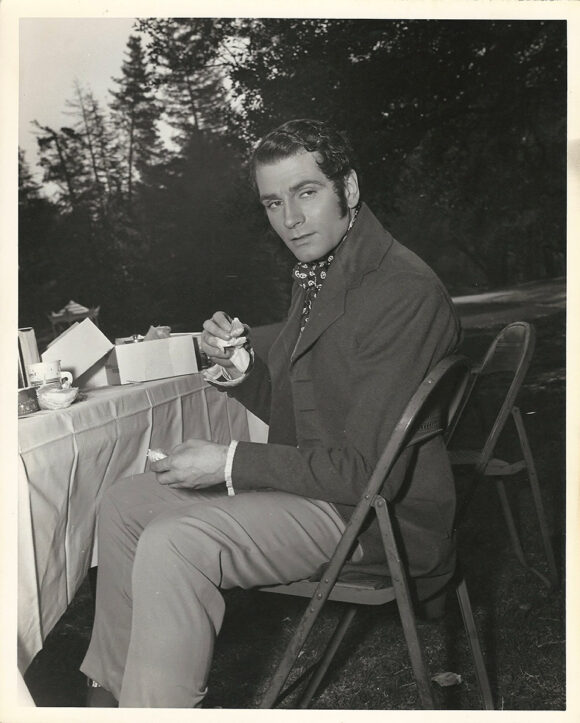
(302, 204)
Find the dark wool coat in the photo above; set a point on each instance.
(380, 323)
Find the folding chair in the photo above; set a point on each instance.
(499, 377)
(426, 415)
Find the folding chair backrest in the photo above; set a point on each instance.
(510, 352)
(431, 411)
(496, 381)
(491, 402)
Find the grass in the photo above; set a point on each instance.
(521, 622)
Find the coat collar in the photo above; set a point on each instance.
(362, 252)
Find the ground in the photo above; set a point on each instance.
(521, 621)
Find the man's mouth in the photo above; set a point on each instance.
(303, 237)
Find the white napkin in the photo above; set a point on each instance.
(237, 339)
(240, 358)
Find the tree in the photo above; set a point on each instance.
(97, 167)
(205, 233)
(191, 59)
(495, 188)
(459, 127)
(463, 125)
(135, 115)
(79, 159)
(47, 259)
(36, 220)
(61, 158)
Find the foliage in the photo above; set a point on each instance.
(189, 71)
(135, 114)
(37, 220)
(459, 128)
(464, 126)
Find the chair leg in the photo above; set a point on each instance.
(291, 653)
(405, 606)
(472, 636)
(511, 525)
(325, 661)
(517, 545)
(319, 598)
(535, 486)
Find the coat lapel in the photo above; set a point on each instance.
(362, 251)
(327, 308)
(291, 329)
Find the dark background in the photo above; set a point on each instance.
(459, 127)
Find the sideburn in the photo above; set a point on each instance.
(339, 188)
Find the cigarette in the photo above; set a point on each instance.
(155, 455)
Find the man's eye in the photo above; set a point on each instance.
(307, 192)
(271, 205)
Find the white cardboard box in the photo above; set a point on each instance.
(156, 359)
(104, 373)
(79, 348)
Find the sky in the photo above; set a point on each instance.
(56, 52)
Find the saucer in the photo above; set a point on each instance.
(56, 398)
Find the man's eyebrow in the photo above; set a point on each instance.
(293, 189)
(307, 182)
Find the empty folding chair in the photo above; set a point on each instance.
(427, 414)
(489, 404)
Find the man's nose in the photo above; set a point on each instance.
(292, 214)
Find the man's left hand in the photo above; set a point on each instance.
(194, 464)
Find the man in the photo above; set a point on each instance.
(367, 322)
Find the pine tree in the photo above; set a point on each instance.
(192, 58)
(96, 180)
(135, 115)
(62, 160)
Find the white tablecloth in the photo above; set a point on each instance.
(67, 459)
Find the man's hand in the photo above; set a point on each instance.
(194, 464)
(218, 327)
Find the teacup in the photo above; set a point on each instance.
(49, 372)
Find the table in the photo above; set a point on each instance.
(69, 457)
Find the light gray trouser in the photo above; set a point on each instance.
(163, 555)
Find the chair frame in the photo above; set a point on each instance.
(418, 423)
(485, 465)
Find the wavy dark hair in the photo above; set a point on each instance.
(335, 156)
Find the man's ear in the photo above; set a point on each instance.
(351, 189)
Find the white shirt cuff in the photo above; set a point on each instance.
(229, 465)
